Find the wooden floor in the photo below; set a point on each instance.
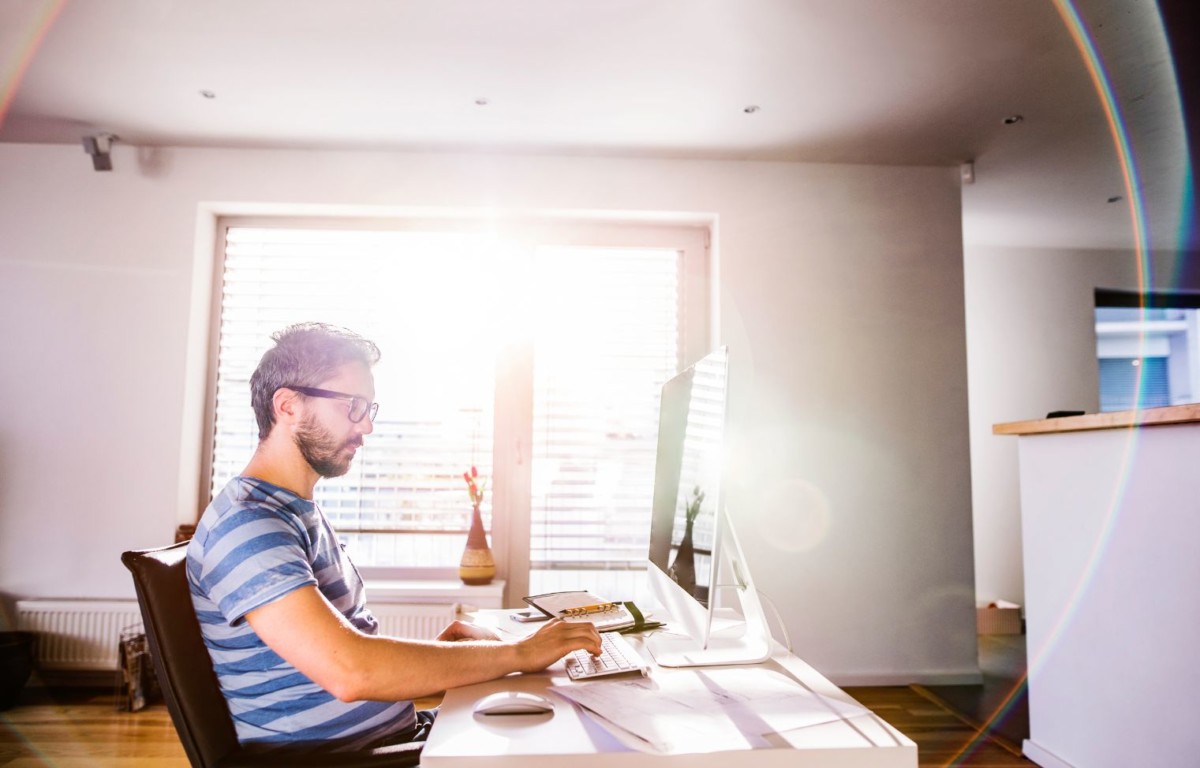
(943, 738)
(83, 728)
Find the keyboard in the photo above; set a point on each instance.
(617, 657)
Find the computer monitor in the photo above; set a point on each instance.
(694, 555)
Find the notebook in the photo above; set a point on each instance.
(583, 606)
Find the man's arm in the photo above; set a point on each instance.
(312, 636)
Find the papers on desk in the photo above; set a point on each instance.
(709, 710)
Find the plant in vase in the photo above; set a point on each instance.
(683, 571)
(477, 565)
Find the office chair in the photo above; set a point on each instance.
(190, 687)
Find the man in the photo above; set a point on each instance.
(282, 608)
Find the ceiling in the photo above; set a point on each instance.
(904, 82)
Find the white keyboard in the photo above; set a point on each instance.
(617, 656)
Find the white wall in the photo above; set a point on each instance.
(842, 301)
(1032, 350)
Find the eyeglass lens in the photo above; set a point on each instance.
(360, 408)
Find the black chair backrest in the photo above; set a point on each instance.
(181, 660)
(190, 686)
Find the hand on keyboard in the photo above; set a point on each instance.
(556, 637)
(617, 656)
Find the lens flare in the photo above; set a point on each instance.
(1137, 214)
(1187, 234)
(800, 518)
(14, 69)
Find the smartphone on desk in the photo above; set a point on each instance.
(528, 616)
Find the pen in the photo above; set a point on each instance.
(584, 610)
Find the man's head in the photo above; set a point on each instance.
(306, 355)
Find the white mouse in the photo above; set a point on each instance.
(513, 703)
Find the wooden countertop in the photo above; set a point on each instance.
(1147, 417)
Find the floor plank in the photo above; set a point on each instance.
(80, 727)
(943, 738)
(1001, 699)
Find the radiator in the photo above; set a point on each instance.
(77, 634)
(83, 634)
(412, 621)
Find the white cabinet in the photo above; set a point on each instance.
(1110, 520)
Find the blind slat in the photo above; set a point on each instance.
(600, 360)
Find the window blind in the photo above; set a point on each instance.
(607, 336)
(1119, 381)
(605, 326)
(429, 301)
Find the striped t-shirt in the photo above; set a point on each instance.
(254, 544)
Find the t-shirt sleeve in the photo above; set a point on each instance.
(253, 557)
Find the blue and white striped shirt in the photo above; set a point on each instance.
(254, 544)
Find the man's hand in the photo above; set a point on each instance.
(554, 640)
(461, 630)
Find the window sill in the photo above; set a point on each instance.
(418, 591)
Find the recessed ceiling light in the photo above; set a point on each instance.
(481, 102)
(208, 94)
(750, 110)
(1115, 199)
(1013, 119)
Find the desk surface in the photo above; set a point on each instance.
(572, 736)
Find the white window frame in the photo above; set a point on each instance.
(690, 234)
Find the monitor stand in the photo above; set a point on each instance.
(733, 645)
(743, 640)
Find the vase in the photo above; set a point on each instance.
(683, 570)
(477, 565)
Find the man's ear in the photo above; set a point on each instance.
(285, 403)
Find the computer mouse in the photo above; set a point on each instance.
(513, 703)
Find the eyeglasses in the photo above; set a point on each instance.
(358, 407)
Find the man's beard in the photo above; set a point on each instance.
(324, 454)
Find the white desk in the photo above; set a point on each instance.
(573, 737)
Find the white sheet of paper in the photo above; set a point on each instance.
(708, 710)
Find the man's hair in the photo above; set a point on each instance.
(305, 355)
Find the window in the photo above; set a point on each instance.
(535, 355)
(1148, 347)
(426, 299)
(606, 338)
(1123, 376)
